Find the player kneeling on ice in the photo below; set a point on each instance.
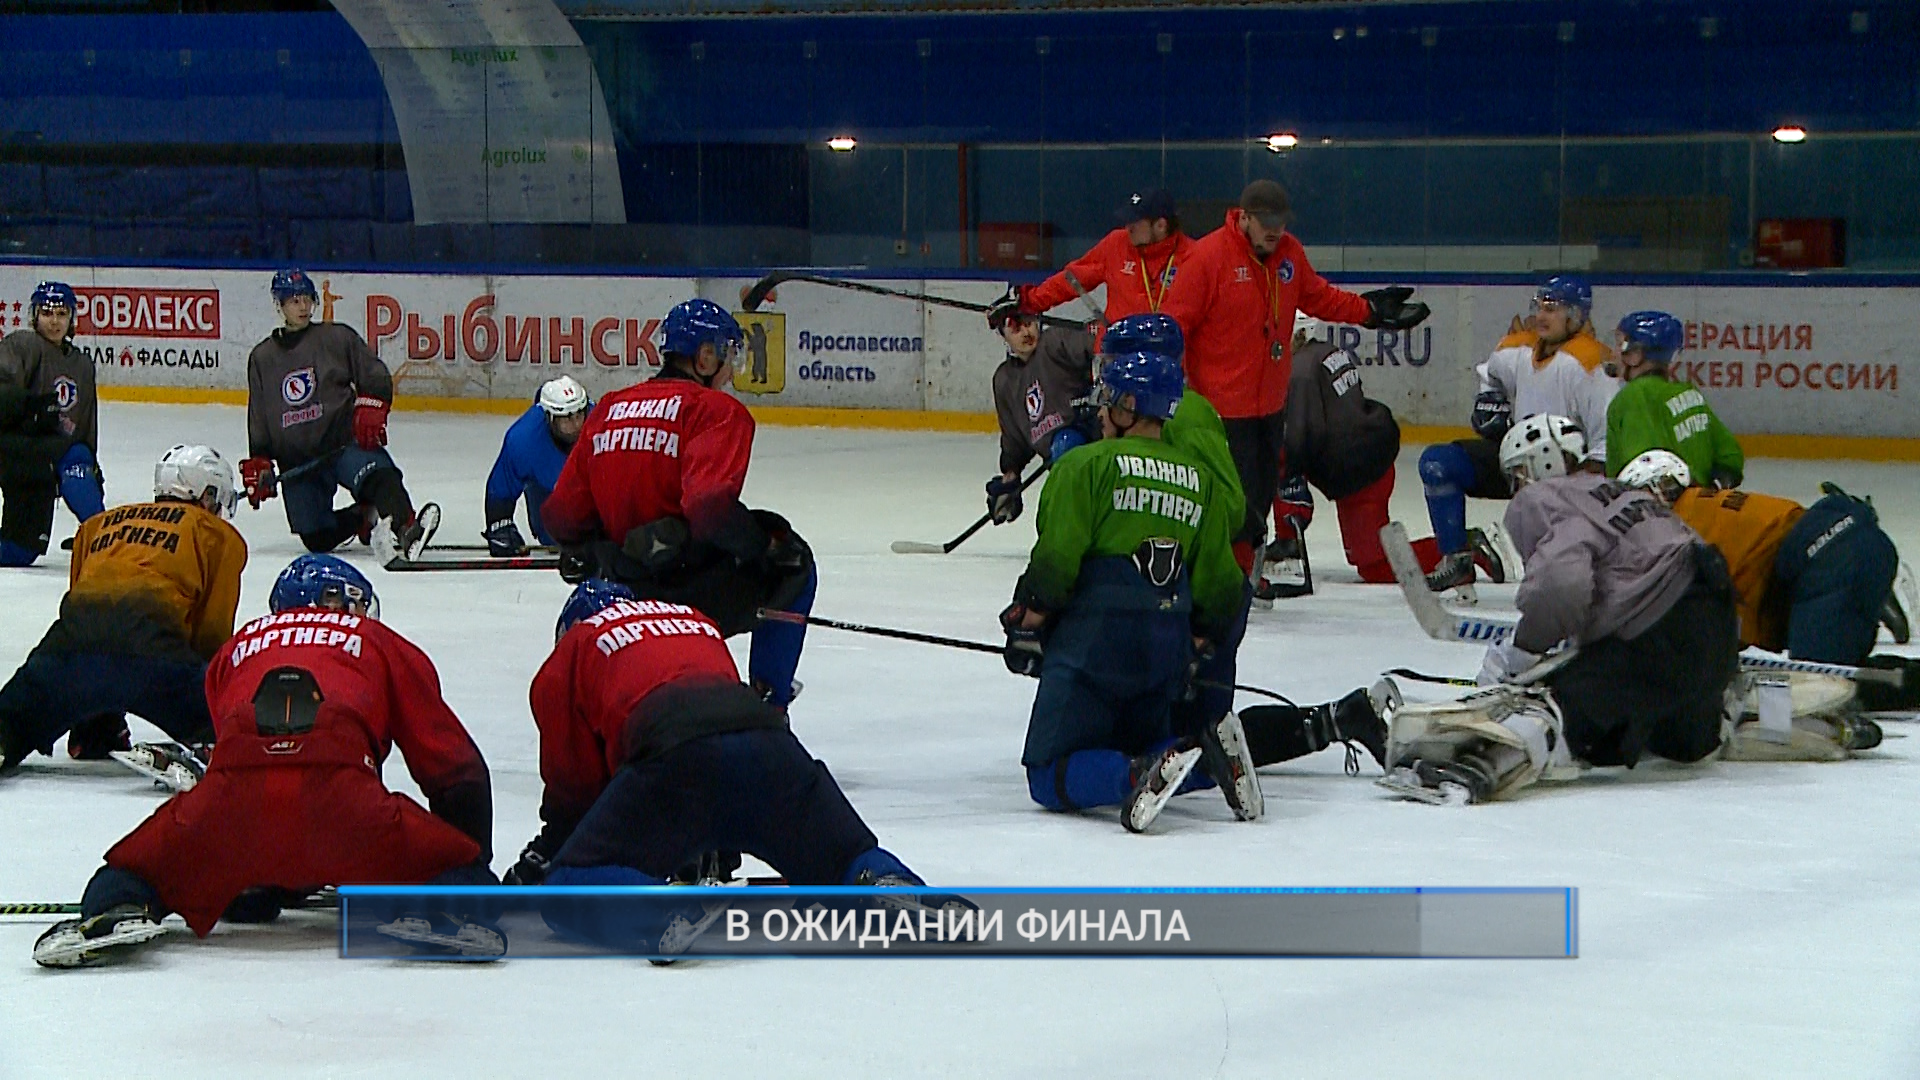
(317, 402)
(49, 425)
(654, 753)
(652, 500)
(529, 464)
(1133, 570)
(1645, 607)
(154, 588)
(307, 704)
(1037, 391)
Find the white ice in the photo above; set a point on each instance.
(1735, 920)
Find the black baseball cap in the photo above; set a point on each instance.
(1146, 206)
(1267, 202)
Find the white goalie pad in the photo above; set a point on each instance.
(1789, 716)
(1516, 732)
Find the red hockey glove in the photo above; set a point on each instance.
(257, 476)
(369, 422)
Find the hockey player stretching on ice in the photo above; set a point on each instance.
(654, 753)
(1655, 411)
(307, 703)
(529, 464)
(317, 402)
(1131, 567)
(652, 500)
(45, 375)
(152, 596)
(1555, 367)
(1613, 574)
(1034, 390)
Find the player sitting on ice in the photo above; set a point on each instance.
(652, 500)
(1132, 567)
(529, 464)
(1644, 607)
(654, 754)
(152, 596)
(317, 402)
(1554, 367)
(1655, 411)
(53, 403)
(307, 704)
(1047, 370)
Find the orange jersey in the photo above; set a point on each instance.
(175, 560)
(1747, 528)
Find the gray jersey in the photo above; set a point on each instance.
(1602, 560)
(300, 391)
(1035, 399)
(38, 366)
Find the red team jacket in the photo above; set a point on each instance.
(1235, 309)
(1137, 279)
(586, 695)
(668, 447)
(303, 808)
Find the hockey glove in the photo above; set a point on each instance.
(257, 477)
(43, 415)
(1390, 310)
(530, 870)
(577, 563)
(1007, 307)
(504, 540)
(370, 422)
(1492, 415)
(1003, 499)
(1292, 506)
(1024, 653)
(1722, 479)
(1503, 662)
(1203, 651)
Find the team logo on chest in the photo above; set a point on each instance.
(1240, 274)
(1286, 271)
(65, 392)
(297, 387)
(1036, 401)
(1127, 267)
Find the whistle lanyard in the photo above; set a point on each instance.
(1166, 277)
(1275, 335)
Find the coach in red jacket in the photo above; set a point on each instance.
(1235, 300)
(1136, 262)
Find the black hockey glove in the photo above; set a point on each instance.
(1722, 479)
(1390, 310)
(1203, 651)
(1492, 415)
(530, 870)
(577, 563)
(1024, 652)
(1003, 499)
(42, 415)
(504, 540)
(1004, 308)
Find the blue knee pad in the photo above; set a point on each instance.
(12, 554)
(774, 655)
(1082, 780)
(1447, 472)
(881, 862)
(80, 482)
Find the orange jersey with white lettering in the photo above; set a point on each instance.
(1747, 528)
(173, 560)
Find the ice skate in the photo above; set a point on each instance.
(1159, 777)
(412, 538)
(170, 765)
(447, 935)
(1484, 546)
(1454, 574)
(682, 932)
(1226, 758)
(1360, 717)
(1286, 572)
(1440, 783)
(112, 934)
(97, 738)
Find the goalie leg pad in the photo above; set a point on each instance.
(1795, 716)
(1517, 733)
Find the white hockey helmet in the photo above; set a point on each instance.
(1542, 446)
(564, 397)
(189, 472)
(1662, 472)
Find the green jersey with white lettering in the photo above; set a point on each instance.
(1651, 413)
(1107, 498)
(1196, 428)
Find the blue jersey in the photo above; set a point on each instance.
(529, 464)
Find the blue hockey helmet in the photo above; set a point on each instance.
(590, 597)
(1656, 334)
(323, 581)
(1154, 380)
(693, 323)
(1144, 334)
(293, 282)
(52, 294)
(1567, 291)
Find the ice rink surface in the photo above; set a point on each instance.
(1735, 920)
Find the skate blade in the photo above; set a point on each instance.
(428, 518)
(87, 952)
(1403, 783)
(1139, 814)
(1249, 802)
(175, 777)
(416, 932)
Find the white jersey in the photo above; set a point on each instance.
(1571, 382)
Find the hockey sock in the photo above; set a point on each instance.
(111, 886)
(1277, 733)
(1082, 780)
(346, 526)
(774, 656)
(1447, 473)
(80, 484)
(12, 554)
(389, 497)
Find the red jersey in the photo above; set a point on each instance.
(306, 706)
(1237, 314)
(1137, 278)
(668, 447)
(586, 695)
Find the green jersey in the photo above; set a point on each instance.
(1196, 428)
(1652, 413)
(1107, 498)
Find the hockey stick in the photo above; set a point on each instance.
(39, 909)
(518, 562)
(758, 295)
(531, 549)
(324, 900)
(798, 619)
(916, 547)
(1099, 317)
(294, 473)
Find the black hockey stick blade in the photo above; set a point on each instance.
(757, 295)
(754, 297)
(520, 562)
